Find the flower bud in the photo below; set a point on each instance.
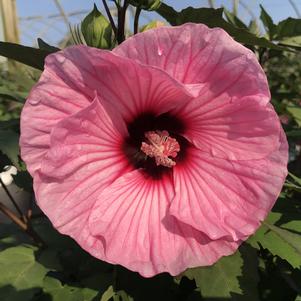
(97, 30)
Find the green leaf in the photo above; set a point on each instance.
(118, 296)
(45, 46)
(59, 292)
(12, 95)
(281, 241)
(294, 184)
(9, 145)
(254, 28)
(289, 32)
(108, 294)
(27, 55)
(289, 27)
(213, 18)
(97, 30)
(268, 23)
(292, 42)
(295, 178)
(234, 20)
(295, 112)
(146, 4)
(19, 271)
(231, 277)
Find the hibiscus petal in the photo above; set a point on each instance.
(196, 55)
(130, 87)
(69, 83)
(52, 99)
(244, 129)
(225, 198)
(130, 217)
(84, 157)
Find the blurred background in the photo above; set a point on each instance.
(51, 19)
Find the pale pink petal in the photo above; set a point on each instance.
(229, 118)
(69, 83)
(130, 87)
(224, 198)
(131, 218)
(85, 156)
(243, 129)
(196, 55)
(52, 99)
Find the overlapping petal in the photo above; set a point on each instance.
(227, 199)
(130, 87)
(197, 55)
(69, 83)
(85, 156)
(131, 218)
(52, 99)
(230, 117)
(241, 129)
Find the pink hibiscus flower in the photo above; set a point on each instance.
(161, 155)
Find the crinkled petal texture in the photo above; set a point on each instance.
(76, 121)
(201, 58)
(69, 83)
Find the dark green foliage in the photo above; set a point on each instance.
(146, 4)
(32, 57)
(265, 268)
(213, 18)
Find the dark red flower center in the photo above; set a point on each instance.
(155, 143)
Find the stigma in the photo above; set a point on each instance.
(160, 146)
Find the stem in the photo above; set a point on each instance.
(110, 16)
(121, 22)
(13, 201)
(12, 216)
(26, 227)
(136, 20)
(116, 3)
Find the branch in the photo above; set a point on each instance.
(12, 216)
(26, 227)
(121, 22)
(136, 20)
(13, 201)
(110, 17)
